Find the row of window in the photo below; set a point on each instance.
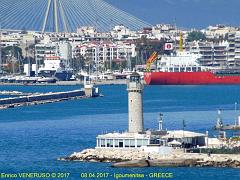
(184, 69)
(122, 143)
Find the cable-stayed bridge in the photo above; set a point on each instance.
(64, 15)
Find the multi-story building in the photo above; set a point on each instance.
(56, 51)
(237, 49)
(231, 50)
(218, 31)
(234, 49)
(213, 54)
(103, 54)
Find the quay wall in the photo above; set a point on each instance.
(42, 97)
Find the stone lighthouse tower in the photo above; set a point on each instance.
(135, 110)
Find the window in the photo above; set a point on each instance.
(116, 143)
(139, 143)
(134, 79)
(120, 143)
(111, 142)
(176, 69)
(108, 142)
(188, 69)
(132, 143)
(145, 142)
(102, 143)
(127, 143)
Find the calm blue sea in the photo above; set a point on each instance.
(32, 138)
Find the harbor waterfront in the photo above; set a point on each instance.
(138, 147)
(106, 89)
(32, 141)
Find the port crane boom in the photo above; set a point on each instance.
(150, 60)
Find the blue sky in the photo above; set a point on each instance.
(188, 13)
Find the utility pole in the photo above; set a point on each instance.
(184, 125)
(160, 122)
(36, 60)
(19, 64)
(13, 60)
(29, 64)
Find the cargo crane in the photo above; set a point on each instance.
(181, 42)
(150, 60)
(154, 55)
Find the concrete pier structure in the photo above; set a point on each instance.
(90, 90)
(135, 107)
(42, 98)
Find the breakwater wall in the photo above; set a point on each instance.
(139, 158)
(40, 98)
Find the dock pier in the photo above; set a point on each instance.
(43, 98)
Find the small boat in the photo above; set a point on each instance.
(46, 80)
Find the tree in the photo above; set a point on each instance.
(10, 52)
(14, 51)
(78, 63)
(11, 56)
(145, 47)
(30, 47)
(196, 36)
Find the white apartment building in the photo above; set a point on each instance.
(121, 32)
(103, 54)
(234, 49)
(10, 39)
(216, 31)
(213, 54)
(86, 31)
(55, 51)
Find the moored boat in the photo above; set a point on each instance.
(190, 78)
(184, 69)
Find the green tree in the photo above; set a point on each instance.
(145, 47)
(195, 36)
(12, 58)
(14, 51)
(78, 63)
(30, 48)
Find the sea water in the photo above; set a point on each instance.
(33, 137)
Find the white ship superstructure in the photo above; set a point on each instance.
(53, 60)
(180, 62)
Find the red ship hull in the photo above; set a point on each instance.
(189, 78)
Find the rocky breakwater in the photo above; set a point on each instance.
(140, 158)
(106, 155)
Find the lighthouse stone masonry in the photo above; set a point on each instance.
(135, 109)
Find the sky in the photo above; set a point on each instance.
(187, 13)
